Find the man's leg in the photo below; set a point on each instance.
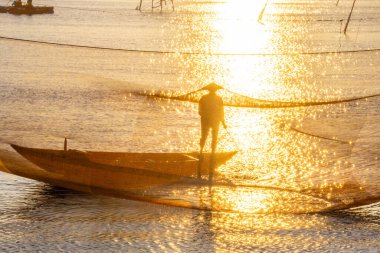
(205, 128)
(215, 131)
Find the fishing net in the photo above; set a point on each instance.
(329, 163)
(234, 99)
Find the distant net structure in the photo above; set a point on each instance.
(156, 4)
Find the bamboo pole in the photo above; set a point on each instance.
(262, 11)
(349, 16)
(337, 2)
(140, 5)
(159, 3)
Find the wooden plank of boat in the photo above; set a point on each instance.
(4, 9)
(183, 164)
(27, 10)
(109, 170)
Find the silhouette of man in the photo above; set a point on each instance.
(211, 111)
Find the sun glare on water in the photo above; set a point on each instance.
(269, 151)
(240, 34)
(239, 27)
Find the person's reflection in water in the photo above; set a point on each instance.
(204, 230)
(211, 110)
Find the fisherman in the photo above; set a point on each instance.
(29, 3)
(211, 110)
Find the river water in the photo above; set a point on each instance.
(292, 163)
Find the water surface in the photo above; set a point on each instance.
(51, 91)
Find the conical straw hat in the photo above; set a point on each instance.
(212, 87)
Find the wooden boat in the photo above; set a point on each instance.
(114, 171)
(27, 10)
(130, 175)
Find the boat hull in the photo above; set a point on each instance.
(114, 171)
(26, 10)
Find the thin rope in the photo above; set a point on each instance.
(92, 10)
(189, 53)
(233, 140)
(320, 136)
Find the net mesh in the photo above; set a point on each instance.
(234, 99)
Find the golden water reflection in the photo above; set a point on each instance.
(140, 225)
(234, 29)
(272, 153)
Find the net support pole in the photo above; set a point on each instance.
(349, 16)
(262, 12)
(199, 167)
(140, 5)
